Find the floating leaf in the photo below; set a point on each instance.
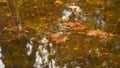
(97, 33)
(76, 25)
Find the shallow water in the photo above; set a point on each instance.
(37, 34)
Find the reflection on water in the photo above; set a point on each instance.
(100, 20)
(1, 62)
(67, 14)
(77, 51)
(74, 11)
(42, 55)
(29, 46)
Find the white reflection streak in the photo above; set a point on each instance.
(52, 52)
(29, 46)
(1, 62)
(38, 60)
(67, 14)
(101, 23)
(41, 55)
(52, 64)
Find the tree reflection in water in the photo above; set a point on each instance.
(59, 34)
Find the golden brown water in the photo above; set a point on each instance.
(59, 34)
